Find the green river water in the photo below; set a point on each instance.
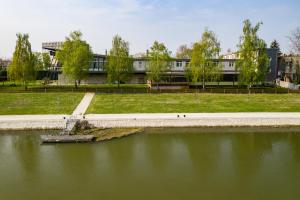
(224, 163)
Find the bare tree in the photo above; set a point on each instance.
(295, 40)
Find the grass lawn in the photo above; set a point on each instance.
(194, 103)
(38, 103)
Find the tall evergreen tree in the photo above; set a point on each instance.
(253, 63)
(203, 66)
(159, 59)
(23, 66)
(120, 64)
(275, 45)
(76, 56)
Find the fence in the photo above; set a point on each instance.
(145, 90)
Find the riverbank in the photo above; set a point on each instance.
(21, 122)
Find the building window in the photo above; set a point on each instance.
(179, 64)
(140, 64)
(231, 64)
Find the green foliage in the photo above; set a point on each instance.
(275, 45)
(75, 56)
(297, 73)
(46, 61)
(159, 58)
(39, 61)
(120, 64)
(184, 52)
(23, 66)
(253, 63)
(42, 61)
(203, 66)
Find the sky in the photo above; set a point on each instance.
(141, 22)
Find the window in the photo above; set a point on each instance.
(231, 64)
(179, 64)
(140, 64)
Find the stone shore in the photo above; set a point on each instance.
(19, 122)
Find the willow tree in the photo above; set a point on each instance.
(75, 56)
(159, 58)
(204, 65)
(253, 62)
(22, 68)
(120, 64)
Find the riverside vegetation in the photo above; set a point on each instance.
(103, 134)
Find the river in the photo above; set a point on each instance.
(165, 163)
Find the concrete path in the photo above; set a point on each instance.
(21, 122)
(194, 119)
(15, 122)
(83, 105)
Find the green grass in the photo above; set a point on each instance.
(38, 103)
(194, 103)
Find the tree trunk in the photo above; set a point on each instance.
(76, 86)
(249, 91)
(25, 85)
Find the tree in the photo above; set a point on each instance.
(43, 61)
(203, 66)
(120, 64)
(253, 63)
(295, 40)
(184, 52)
(75, 56)
(46, 61)
(275, 45)
(23, 65)
(297, 73)
(159, 58)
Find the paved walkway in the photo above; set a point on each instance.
(195, 119)
(14, 122)
(83, 105)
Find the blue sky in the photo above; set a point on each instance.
(141, 22)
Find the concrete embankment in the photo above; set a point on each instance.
(154, 120)
(23, 122)
(194, 120)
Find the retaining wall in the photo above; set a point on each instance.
(32, 122)
(194, 120)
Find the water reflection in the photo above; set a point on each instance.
(191, 163)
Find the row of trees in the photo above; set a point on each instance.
(25, 63)
(76, 56)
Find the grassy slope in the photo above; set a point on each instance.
(38, 103)
(194, 103)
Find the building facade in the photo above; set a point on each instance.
(175, 74)
(289, 68)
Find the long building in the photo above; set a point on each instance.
(176, 74)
